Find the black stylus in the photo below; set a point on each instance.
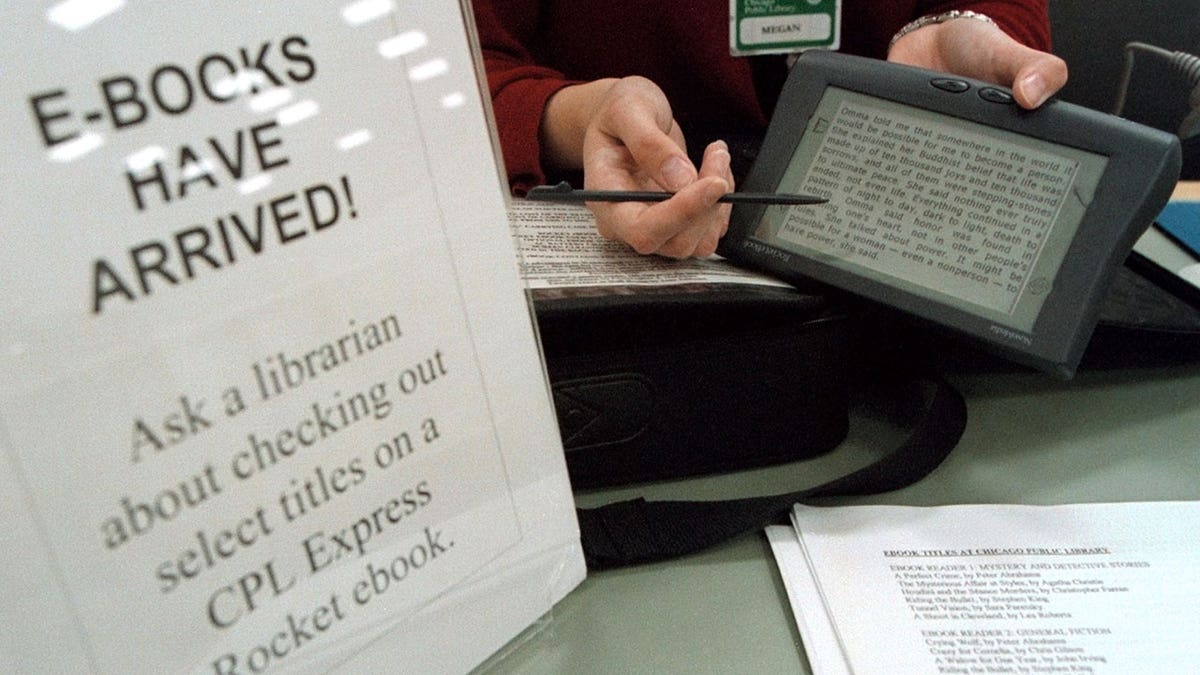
(563, 192)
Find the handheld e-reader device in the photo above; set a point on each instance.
(951, 203)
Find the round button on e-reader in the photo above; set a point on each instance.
(950, 84)
(994, 95)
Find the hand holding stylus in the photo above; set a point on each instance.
(623, 135)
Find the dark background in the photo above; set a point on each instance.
(1091, 36)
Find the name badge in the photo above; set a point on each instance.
(783, 26)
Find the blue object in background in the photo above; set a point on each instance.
(1181, 220)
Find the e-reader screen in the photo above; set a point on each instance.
(949, 202)
(975, 217)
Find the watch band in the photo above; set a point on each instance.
(930, 19)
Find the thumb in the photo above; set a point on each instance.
(675, 173)
(1035, 75)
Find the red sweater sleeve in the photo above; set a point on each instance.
(533, 48)
(518, 85)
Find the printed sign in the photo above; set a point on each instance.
(250, 413)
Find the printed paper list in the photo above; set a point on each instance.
(1051, 586)
(983, 589)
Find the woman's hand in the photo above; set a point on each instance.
(624, 136)
(980, 50)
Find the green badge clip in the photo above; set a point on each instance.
(783, 26)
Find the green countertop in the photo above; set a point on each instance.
(1131, 435)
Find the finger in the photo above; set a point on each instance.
(705, 229)
(698, 231)
(614, 219)
(689, 224)
(716, 162)
(672, 228)
(1034, 76)
(1038, 78)
(640, 119)
(982, 51)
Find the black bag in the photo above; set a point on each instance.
(672, 381)
(666, 382)
(1150, 319)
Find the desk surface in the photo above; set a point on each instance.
(1103, 437)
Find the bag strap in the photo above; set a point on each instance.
(637, 531)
